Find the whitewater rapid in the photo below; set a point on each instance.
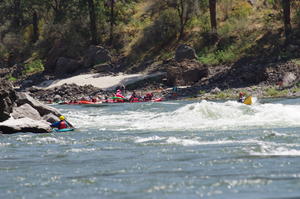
(203, 115)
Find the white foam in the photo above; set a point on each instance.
(203, 115)
(76, 150)
(4, 144)
(51, 140)
(148, 139)
(272, 149)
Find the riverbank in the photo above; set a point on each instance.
(74, 91)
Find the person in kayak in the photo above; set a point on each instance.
(242, 97)
(134, 97)
(62, 124)
(119, 96)
(148, 97)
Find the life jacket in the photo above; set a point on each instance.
(62, 125)
(119, 95)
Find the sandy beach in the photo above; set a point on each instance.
(102, 82)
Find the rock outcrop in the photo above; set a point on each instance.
(186, 72)
(24, 125)
(66, 66)
(7, 99)
(185, 52)
(66, 92)
(25, 98)
(96, 55)
(19, 112)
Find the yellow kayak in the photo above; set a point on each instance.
(248, 100)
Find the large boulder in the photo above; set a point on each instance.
(65, 65)
(24, 98)
(7, 99)
(51, 118)
(25, 110)
(185, 52)
(96, 55)
(24, 125)
(186, 72)
(56, 51)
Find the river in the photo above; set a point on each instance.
(165, 150)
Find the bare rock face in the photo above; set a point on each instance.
(24, 98)
(96, 55)
(186, 72)
(7, 99)
(66, 66)
(21, 113)
(185, 52)
(24, 125)
(50, 118)
(25, 111)
(288, 79)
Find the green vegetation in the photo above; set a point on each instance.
(273, 92)
(11, 78)
(34, 66)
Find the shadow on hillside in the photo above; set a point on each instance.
(266, 62)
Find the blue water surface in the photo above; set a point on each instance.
(167, 150)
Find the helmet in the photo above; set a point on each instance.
(62, 117)
(118, 90)
(241, 93)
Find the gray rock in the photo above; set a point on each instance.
(185, 73)
(215, 90)
(24, 125)
(185, 52)
(7, 99)
(252, 2)
(288, 79)
(50, 118)
(66, 65)
(25, 110)
(96, 55)
(24, 98)
(57, 98)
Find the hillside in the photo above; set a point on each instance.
(48, 39)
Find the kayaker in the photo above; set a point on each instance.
(134, 97)
(62, 124)
(242, 97)
(148, 96)
(119, 94)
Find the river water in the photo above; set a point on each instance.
(167, 150)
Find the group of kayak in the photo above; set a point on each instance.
(117, 98)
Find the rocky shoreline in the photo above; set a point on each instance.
(19, 112)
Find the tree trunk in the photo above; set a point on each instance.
(213, 15)
(286, 5)
(112, 21)
(35, 35)
(180, 10)
(93, 26)
(17, 14)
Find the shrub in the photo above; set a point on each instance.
(33, 67)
